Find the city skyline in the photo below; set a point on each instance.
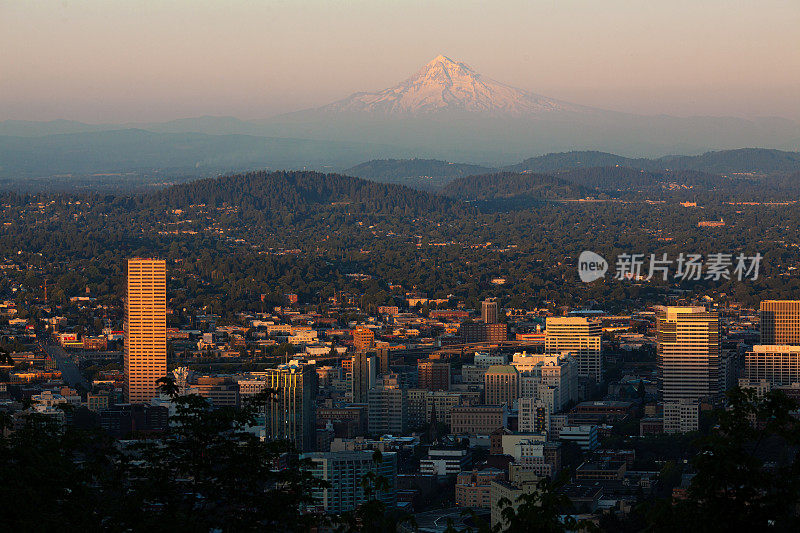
(386, 266)
(480, 420)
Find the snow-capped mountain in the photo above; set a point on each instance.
(447, 85)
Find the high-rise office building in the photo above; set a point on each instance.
(145, 356)
(780, 322)
(489, 312)
(417, 407)
(433, 375)
(364, 373)
(581, 337)
(291, 414)
(382, 352)
(501, 385)
(688, 353)
(534, 416)
(387, 410)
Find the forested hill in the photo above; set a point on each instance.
(620, 179)
(514, 191)
(507, 185)
(745, 160)
(303, 190)
(576, 159)
(420, 173)
(755, 160)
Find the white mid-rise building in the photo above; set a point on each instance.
(485, 360)
(473, 373)
(584, 436)
(530, 455)
(512, 441)
(681, 416)
(548, 377)
(444, 462)
(249, 387)
(307, 336)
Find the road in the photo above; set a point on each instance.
(69, 371)
(436, 521)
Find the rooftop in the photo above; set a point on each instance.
(502, 369)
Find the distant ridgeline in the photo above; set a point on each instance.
(733, 175)
(418, 173)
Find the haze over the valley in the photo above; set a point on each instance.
(117, 62)
(97, 87)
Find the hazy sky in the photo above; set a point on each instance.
(137, 60)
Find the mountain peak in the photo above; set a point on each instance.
(444, 61)
(446, 85)
(444, 71)
(441, 59)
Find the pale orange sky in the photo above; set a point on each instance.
(118, 61)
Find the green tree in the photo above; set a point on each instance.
(741, 482)
(544, 510)
(208, 472)
(168, 386)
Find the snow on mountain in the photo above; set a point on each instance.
(447, 85)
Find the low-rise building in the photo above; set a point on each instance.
(603, 470)
(681, 416)
(584, 436)
(443, 462)
(500, 490)
(473, 488)
(477, 419)
(511, 440)
(120, 420)
(651, 426)
(349, 421)
(220, 391)
(596, 411)
(472, 332)
(48, 399)
(97, 402)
